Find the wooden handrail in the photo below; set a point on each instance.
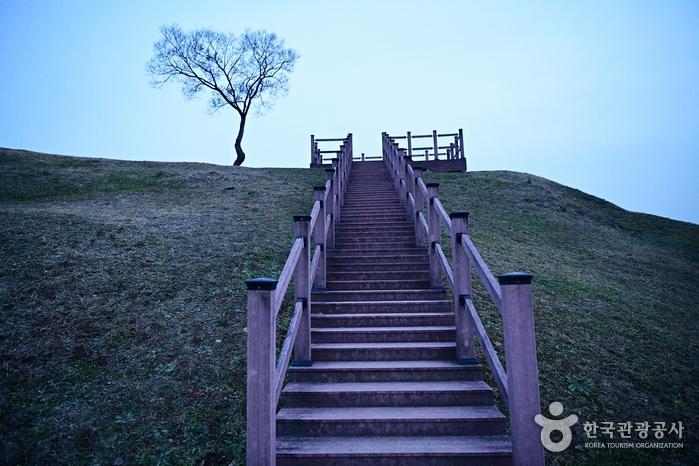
(488, 349)
(443, 215)
(483, 272)
(287, 273)
(285, 353)
(445, 263)
(511, 294)
(265, 297)
(423, 222)
(453, 146)
(423, 187)
(314, 215)
(316, 260)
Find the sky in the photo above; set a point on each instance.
(599, 96)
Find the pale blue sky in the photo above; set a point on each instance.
(600, 96)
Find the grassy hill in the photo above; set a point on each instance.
(123, 304)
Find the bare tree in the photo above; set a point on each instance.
(238, 71)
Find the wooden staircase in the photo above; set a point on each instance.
(385, 387)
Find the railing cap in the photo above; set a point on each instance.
(432, 185)
(459, 215)
(515, 278)
(318, 188)
(302, 218)
(257, 284)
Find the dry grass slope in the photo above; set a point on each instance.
(122, 304)
(616, 302)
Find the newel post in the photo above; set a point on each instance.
(318, 282)
(419, 205)
(302, 292)
(522, 370)
(434, 236)
(462, 287)
(261, 397)
(330, 207)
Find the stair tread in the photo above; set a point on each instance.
(383, 387)
(382, 345)
(424, 328)
(384, 365)
(383, 314)
(394, 445)
(389, 413)
(335, 292)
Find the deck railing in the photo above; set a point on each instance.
(432, 146)
(314, 233)
(511, 293)
(317, 157)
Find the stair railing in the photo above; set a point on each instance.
(265, 378)
(317, 157)
(452, 149)
(511, 293)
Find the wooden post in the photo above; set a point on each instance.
(261, 397)
(362, 156)
(419, 204)
(410, 144)
(522, 371)
(436, 144)
(461, 143)
(302, 292)
(319, 281)
(434, 236)
(409, 188)
(462, 287)
(313, 150)
(336, 191)
(330, 208)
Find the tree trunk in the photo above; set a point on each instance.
(240, 155)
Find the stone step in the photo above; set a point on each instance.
(392, 266)
(429, 393)
(354, 285)
(382, 334)
(381, 307)
(489, 450)
(377, 295)
(383, 351)
(385, 319)
(384, 371)
(383, 421)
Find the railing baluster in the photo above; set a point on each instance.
(261, 403)
(302, 292)
(522, 371)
